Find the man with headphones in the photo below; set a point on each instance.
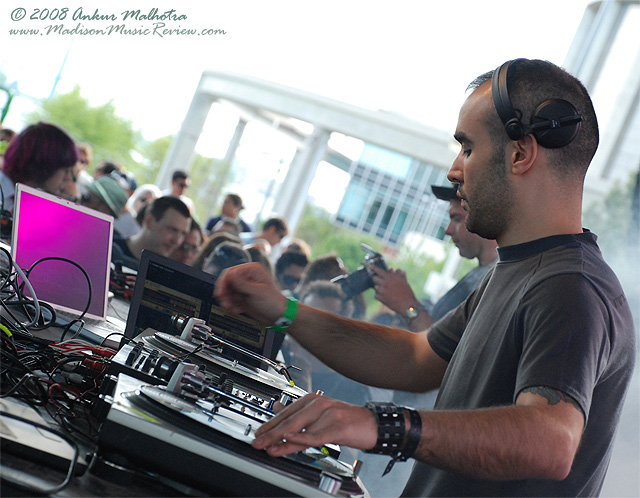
(534, 366)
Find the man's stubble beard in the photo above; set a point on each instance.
(489, 208)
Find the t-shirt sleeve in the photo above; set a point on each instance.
(445, 334)
(566, 342)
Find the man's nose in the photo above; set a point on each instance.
(455, 175)
(449, 230)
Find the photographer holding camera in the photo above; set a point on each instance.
(393, 290)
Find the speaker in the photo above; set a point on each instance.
(554, 123)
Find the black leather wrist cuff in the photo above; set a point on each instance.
(390, 420)
(391, 432)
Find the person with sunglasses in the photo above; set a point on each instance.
(289, 269)
(180, 182)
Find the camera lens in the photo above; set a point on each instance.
(354, 283)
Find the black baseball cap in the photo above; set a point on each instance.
(445, 193)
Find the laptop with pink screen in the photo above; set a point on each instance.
(62, 238)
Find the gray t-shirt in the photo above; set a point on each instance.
(459, 292)
(551, 313)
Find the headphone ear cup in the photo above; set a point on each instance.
(555, 123)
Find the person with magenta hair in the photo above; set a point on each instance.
(41, 156)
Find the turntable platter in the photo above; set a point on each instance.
(233, 424)
(224, 420)
(262, 376)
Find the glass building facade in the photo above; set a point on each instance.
(389, 195)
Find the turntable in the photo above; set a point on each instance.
(192, 415)
(204, 443)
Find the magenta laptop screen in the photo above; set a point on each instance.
(46, 226)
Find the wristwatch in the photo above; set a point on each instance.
(413, 311)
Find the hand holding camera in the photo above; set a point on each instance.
(361, 279)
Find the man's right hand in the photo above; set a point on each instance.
(250, 289)
(393, 290)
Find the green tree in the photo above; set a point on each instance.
(153, 154)
(114, 139)
(111, 137)
(324, 237)
(209, 178)
(611, 220)
(418, 266)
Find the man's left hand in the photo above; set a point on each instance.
(313, 421)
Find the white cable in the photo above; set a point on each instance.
(36, 303)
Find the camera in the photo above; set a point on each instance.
(361, 279)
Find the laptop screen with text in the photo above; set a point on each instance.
(166, 288)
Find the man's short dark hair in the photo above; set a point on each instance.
(278, 223)
(108, 167)
(326, 289)
(179, 175)
(236, 200)
(290, 258)
(195, 226)
(160, 206)
(534, 81)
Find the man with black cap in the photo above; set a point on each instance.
(393, 290)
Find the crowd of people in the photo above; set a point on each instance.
(530, 354)
(148, 218)
(44, 156)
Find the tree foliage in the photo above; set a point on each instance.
(111, 137)
(210, 178)
(611, 220)
(153, 154)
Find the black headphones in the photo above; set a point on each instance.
(554, 123)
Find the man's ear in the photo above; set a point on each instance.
(148, 220)
(524, 154)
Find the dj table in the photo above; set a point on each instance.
(175, 416)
